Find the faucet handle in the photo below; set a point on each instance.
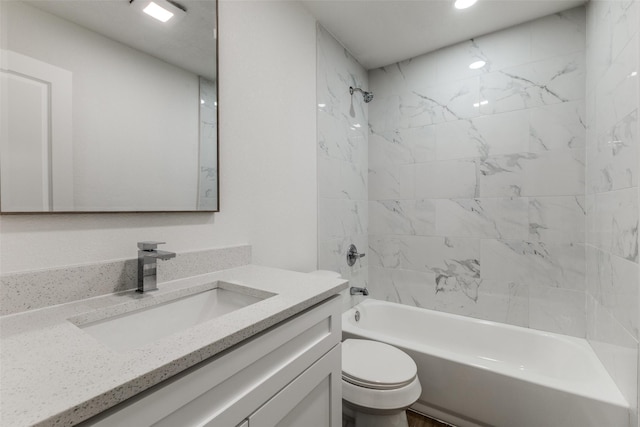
(149, 246)
(353, 255)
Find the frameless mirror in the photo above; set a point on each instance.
(106, 108)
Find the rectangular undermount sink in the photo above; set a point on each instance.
(169, 314)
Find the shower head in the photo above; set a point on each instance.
(367, 96)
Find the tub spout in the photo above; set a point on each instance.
(355, 291)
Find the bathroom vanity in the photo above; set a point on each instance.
(270, 357)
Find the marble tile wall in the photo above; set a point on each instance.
(613, 275)
(342, 162)
(476, 177)
(208, 146)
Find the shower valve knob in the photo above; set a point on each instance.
(353, 255)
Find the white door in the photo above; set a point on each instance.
(36, 171)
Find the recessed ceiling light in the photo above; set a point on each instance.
(463, 4)
(158, 12)
(476, 65)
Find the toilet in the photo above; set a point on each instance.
(379, 382)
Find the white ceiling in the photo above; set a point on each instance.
(382, 32)
(376, 32)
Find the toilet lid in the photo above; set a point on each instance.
(376, 365)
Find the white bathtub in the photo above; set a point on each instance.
(481, 373)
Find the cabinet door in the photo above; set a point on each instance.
(314, 399)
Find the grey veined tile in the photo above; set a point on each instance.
(404, 286)
(554, 173)
(454, 261)
(546, 173)
(402, 217)
(437, 104)
(534, 263)
(557, 310)
(613, 159)
(505, 218)
(612, 281)
(551, 81)
(614, 223)
(557, 219)
(446, 179)
(502, 176)
(557, 126)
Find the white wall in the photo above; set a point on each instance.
(267, 161)
(267, 99)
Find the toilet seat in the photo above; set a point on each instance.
(378, 376)
(376, 365)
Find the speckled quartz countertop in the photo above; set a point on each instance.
(54, 373)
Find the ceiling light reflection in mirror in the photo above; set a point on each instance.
(157, 12)
(464, 4)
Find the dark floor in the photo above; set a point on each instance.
(415, 420)
(419, 420)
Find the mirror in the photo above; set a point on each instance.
(104, 108)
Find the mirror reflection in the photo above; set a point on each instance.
(104, 107)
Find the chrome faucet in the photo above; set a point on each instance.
(353, 255)
(354, 290)
(147, 264)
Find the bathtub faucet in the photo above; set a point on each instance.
(355, 291)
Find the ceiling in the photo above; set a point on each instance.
(375, 32)
(382, 32)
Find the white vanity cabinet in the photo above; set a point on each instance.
(288, 375)
(308, 400)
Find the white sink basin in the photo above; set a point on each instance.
(144, 325)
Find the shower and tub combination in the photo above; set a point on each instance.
(478, 201)
(477, 373)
